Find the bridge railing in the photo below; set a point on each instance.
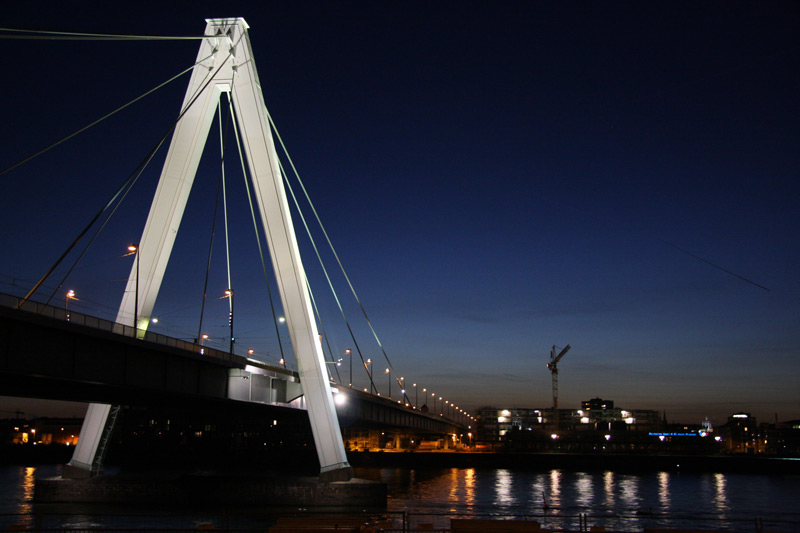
(60, 313)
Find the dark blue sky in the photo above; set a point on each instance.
(498, 177)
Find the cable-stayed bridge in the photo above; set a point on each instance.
(224, 66)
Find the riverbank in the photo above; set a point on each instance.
(579, 462)
(572, 462)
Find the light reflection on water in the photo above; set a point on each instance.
(28, 483)
(469, 488)
(629, 493)
(608, 486)
(622, 502)
(555, 489)
(663, 491)
(503, 488)
(584, 491)
(720, 499)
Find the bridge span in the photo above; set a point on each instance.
(48, 353)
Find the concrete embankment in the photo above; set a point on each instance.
(578, 462)
(212, 489)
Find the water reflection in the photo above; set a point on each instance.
(537, 491)
(618, 501)
(629, 492)
(584, 489)
(608, 486)
(455, 492)
(469, 487)
(555, 489)
(503, 487)
(719, 500)
(663, 491)
(27, 485)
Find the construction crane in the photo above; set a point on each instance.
(553, 366)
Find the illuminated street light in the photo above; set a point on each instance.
(389, 373)
(348, 352)
(229, 294)
(134, 249)
(69, 296)
(368, 365)
(416, 396)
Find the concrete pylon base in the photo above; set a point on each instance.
(212, 490)
(75, 472)
(344, 473)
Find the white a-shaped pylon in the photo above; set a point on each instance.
(225, 64)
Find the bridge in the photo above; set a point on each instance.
(52, 353)
(113, 362)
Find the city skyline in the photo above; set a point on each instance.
(497, 179)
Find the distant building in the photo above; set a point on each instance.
(740, 434)
(782, 439)
(596, 414)
(62, 431)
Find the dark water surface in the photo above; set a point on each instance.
(618, 501)
(557, 499)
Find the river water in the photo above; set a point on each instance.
(559, 500)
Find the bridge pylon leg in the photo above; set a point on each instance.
(225, 64)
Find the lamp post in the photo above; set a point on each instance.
(69, 296)
(416, 396)
(368, 366)
(348, 352)
(433, 395)
(402, 389)
(389, 373)
(441, 406)
(229, 294)
(134, 249)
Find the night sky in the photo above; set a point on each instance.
(497, 178)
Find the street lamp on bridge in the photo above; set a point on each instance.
(69, 296)
(368, 367)
(134, 249)
(389, 373)
(348, 352)
(229, 294)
